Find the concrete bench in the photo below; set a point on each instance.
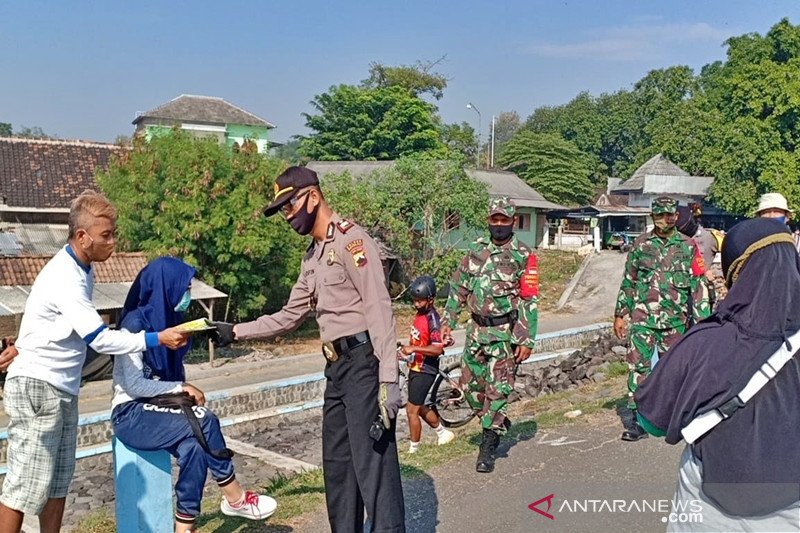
(143, 484)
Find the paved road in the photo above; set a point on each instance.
(575, 463)
(596, 292)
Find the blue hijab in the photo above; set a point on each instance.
(150, 306)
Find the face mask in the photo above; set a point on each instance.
(97, 251)
(303, 221)
(501, 233)
(183, 305)
(664, 226)
(781, 219)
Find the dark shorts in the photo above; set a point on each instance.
(419, 384)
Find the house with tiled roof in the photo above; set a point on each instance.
(39, 178)
(206, 116)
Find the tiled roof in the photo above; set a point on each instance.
(205, 109)
(44, 174)
(22, 270)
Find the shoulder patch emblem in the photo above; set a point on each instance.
(698, 265)
(344, 225)
(356, 249)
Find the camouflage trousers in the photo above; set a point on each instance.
(643, 342)
(487, 378)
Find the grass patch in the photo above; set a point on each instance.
(97, 521)
(617, 368)
(556, 269)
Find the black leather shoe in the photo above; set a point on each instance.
(486, 455)
(634, 432)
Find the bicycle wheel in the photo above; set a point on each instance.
(449, 401)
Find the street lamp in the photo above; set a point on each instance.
(478, 151)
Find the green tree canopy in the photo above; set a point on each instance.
(5, 129)
(419, 79)
(370, 124)
(412, 208)
(199, 201)
(551, 165)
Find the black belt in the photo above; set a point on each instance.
(342, 345)
(489, 321)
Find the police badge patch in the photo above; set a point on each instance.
(356, 249)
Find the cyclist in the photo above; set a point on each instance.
(422, 355)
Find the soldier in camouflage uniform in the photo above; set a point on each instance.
(663, 292)
(498, 282)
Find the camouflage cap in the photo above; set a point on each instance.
(664, 204)
(502, 205)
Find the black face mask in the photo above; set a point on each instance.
(303, 221)
(501, 233)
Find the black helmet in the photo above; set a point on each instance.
(422, 288)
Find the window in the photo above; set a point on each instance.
(524, 222)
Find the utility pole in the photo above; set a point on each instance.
(478, 150)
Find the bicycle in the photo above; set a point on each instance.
(445, 397)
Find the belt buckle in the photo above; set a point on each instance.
(329, 351)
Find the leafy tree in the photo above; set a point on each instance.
(506, 125)
(197, 200)
(419, 79)
(35, 133)
(412, 208)
(460, 139)
(369, 124)
(123, 140)
(5, 129)
(551, 165)
(288, 152)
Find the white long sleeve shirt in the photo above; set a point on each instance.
(60, 319)
(130, 383)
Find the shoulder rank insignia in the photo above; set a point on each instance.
(356, 249)
(344, 225)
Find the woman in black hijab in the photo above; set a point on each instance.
(745, 471)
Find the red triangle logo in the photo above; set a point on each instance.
(549, 500)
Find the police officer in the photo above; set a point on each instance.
(341, 277)
(498, 282)
(663, 292)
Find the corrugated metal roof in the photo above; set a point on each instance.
(36, 239)
(684, 185)
(504, 183)
(106, 296)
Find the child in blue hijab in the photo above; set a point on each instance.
(157, 299)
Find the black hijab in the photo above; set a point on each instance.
(760, 443)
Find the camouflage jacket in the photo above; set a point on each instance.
(663, 286)
(493, 281)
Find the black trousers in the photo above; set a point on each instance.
(359, 471)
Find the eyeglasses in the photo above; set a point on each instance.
(291, 206)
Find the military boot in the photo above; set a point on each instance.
(486, 455)
(633, 431)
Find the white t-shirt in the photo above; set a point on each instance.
(60, 319)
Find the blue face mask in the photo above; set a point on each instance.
(183, 305)
(782, 219)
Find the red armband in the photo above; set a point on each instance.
(529, 281)
(698, 265)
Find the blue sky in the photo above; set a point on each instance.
(84, 69)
